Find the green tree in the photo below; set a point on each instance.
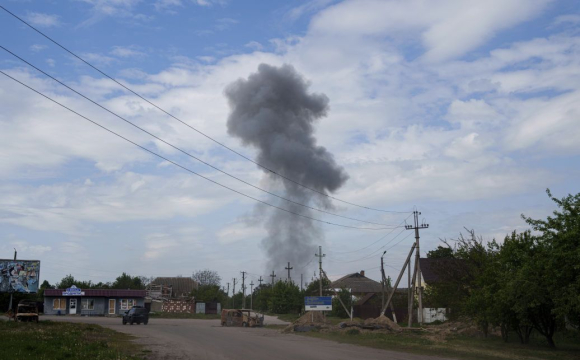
(126, 281)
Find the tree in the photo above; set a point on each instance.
(206, 277)
(126, 281)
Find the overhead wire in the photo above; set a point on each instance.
(193, 128)
(181, 150)
(183, 167)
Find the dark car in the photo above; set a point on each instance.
(137, 314)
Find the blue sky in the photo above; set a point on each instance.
(467, 110)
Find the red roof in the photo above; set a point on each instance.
(100, 292)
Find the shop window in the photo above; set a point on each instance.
(127, 304)
(88, 304)
(59, 304)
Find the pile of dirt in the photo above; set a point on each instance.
(311, 318)
(382, 322)
(308, 321)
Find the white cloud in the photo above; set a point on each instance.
(37, 47)
(43, 20)
(126, 52)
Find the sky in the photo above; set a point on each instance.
(466, 111)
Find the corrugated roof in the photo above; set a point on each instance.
(100, 292)
(358, 283)
(181, 286)
(433, 269)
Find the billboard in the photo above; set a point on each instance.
(19, 276)
(318, 303)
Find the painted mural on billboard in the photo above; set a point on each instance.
(19, 276)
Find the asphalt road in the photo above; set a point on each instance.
(206, 339)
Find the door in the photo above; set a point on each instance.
(111, 306)
(72, 309)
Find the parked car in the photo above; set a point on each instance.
(27, 311)
(137, 314)
(241, 317)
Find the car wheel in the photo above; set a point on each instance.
(145, 322)
(131, 322)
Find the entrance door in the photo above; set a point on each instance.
(111, 306)
(72, 306)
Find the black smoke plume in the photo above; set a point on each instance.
(273, 112)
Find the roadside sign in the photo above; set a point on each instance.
(318, 303)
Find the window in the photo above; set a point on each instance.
(59, 304)
(88, 304)
(127, 304)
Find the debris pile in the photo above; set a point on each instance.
(382, 322)
(307, 322)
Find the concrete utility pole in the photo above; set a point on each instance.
(392, 292)
(228, 293)
(243, 290)
(416, 227)
(388, 286)
(273, 276)
(320, 255)
(10, 287)
(252, 295)
(289, 268)
(233, 295)
(301, 281)
(260, 281)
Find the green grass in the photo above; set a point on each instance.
(460, 347)
(60, 340)
(164, 315)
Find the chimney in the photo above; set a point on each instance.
(362, 272)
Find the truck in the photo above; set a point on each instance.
(27, 310)
(241, 317)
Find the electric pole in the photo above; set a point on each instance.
(320, 255)
(386, 284)
(243, 290)
(260, 281)
(273, 276)
(289, 268)
(416, 227)
(383, 281)
(301, 281)
(251, 295)
(228, 293)
(234, 295)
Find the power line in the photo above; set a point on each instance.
(193, 128)
(381, 238)
(181, 150)
(183, 167)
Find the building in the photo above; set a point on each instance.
(97, 302)
(172, 288)
(358, 283)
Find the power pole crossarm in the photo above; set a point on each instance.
(273, 276)
(289, 268)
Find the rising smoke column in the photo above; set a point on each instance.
(273, 112)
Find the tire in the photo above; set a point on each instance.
(124, 322)
(131, 322)
(145, 322)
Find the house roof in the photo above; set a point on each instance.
(180, 285)
(358, 283)
(100, 292)
(433, 269)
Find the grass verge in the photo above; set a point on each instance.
(460, 347)
(164, 315)
(60, 340)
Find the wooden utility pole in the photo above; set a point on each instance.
(417, 280)
(320, 255)
(392, 292)
(273, 276)
(289, 268)
(243, 290)
(301, 281)
(252, 295)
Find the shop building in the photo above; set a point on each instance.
(91, 302)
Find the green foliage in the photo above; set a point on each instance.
(441, 252)
(207, 277)
(337, 308)
(286, 297)
(529, 282)
(209, 293)
(126, 281)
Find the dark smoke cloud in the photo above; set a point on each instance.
(273, 112)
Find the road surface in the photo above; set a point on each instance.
(206, 339)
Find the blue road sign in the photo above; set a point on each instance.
(318, 303)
